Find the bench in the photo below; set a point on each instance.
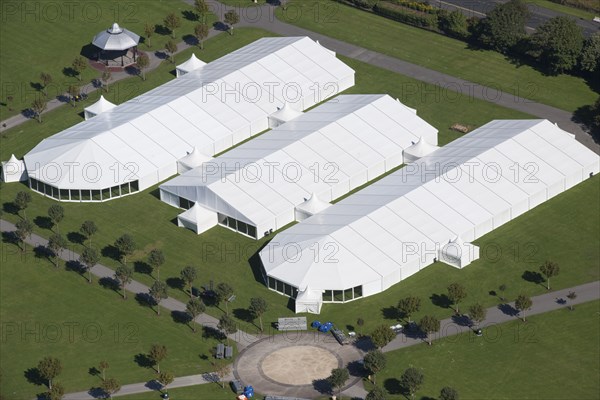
(228, 351)
(220, 350)
(339, 336)
(292, 324)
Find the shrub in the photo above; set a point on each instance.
(428, 21)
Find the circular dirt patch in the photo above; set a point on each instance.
(299, 365)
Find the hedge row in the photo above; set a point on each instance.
(421, 20)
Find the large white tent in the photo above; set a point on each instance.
(429, 209)
(137, 144)
(328, 151)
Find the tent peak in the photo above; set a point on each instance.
(115, 29)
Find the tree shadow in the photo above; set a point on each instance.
(34, 377)
(364, 344)
(142, 267)
(356, 368)
(36, 86)
(461, 320)
(180, 317)
(97, 393)
(220, 26)
(76, 238)
(69, 72)
(176, 283)
(162, 30)
(43, 222)
(349, 328)
(440, 300)
(144, 300)
(243, 315)
(584, 115)
(112, 252)
(322, 386)
(208, 332)
(43, 252)
(508, 310)
(161, 55)
(190, 40)
(10, 208)
(143, 360)
(75, 266)
(393, 386)
(93, 371)
(189, 15)
(109, 283)
(391, 313)
(10, 238)
(533, 277)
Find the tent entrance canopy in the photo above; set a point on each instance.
(14, 170)
(309, 301)
(458, 253)
(310, 207)
(198, 219)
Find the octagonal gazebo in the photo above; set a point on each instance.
(118, 46)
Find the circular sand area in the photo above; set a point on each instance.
(299, 365)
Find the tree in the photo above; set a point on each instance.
(523, 303)
(158, 291)
(222, 369)
(142, 63)
(79, 65)
(456, 293)
(258, 306)
(22, 200)
(125, 245)
(429, 325)
(201, 33)
(338, 378)
(194, 307)
(382, 335)
(123, 274)
(590, 54)
(549, 269)
(105, 78)
(24, 230)
(56, 214)
(448, 393)
(377, 393)
(477, 313)
(409, 306)
(502, 289)
(103, 367)
(157, 354)
(57, 392)
(223, 294)
(557, 44)
(56, 244)
(360, 322)
(504, 26)
(148, 32)
(88, 229)
(166, 378)
(201, 10)
(411, 380)
(110, 386)
(172, 22)
(454, 24)
(571, 296)
(73, 91)
(188, 276)
(374, 361)
(231, 18)
(46, 80)
(156, 258)
(171, 48)
(89, 257)
(49, 368)
(38, 107)
(227, 325)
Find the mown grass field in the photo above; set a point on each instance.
(553, 356)
(437, 52)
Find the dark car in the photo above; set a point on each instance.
(237, 386)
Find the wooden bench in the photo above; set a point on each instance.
(220, 350)
(228, 351)
(292, 324)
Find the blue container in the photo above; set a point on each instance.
(316, 324)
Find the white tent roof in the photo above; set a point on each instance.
(312, 205)
(116, 38)
(100, 106)
(286, 113)
(452, 192)
(197, 214)
(194, 159)
(191, 64)
(421, 148)
(213, 108)
(328, 151)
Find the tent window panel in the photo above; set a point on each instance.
(222, 219)
(96, 195)
(185, 203)
(46, 190)
(272, 283)
(348, 294)
(358, 292)
(124, 188)
(294, 292)
(75, 195)
(338, 295)
(242, 227)
(54, 192)
(114, 191)
(64, 194)
(33, 183)
(232, 223)
(105, 194)
(279, 286)
(287, 289)
(252, 231)
(86, 195)
(327, 295)
(135, 186)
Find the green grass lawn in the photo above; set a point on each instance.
(572, 11)
(52, 312)
(207, 391)
(553, 356)
(61, 29)
(437, 52)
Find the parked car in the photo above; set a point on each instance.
(237, 386)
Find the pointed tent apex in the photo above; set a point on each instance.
(193, 63)
(13, 159)
(115, 28)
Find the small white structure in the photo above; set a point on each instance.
(309, 301)
(283, 115)
(310, 207)
(329, 50)
(98, 107)
(192, 64)
(418, 150)
(116, 38)
(194, 159)
(197, 218)
(13, 170)
(458, 253)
